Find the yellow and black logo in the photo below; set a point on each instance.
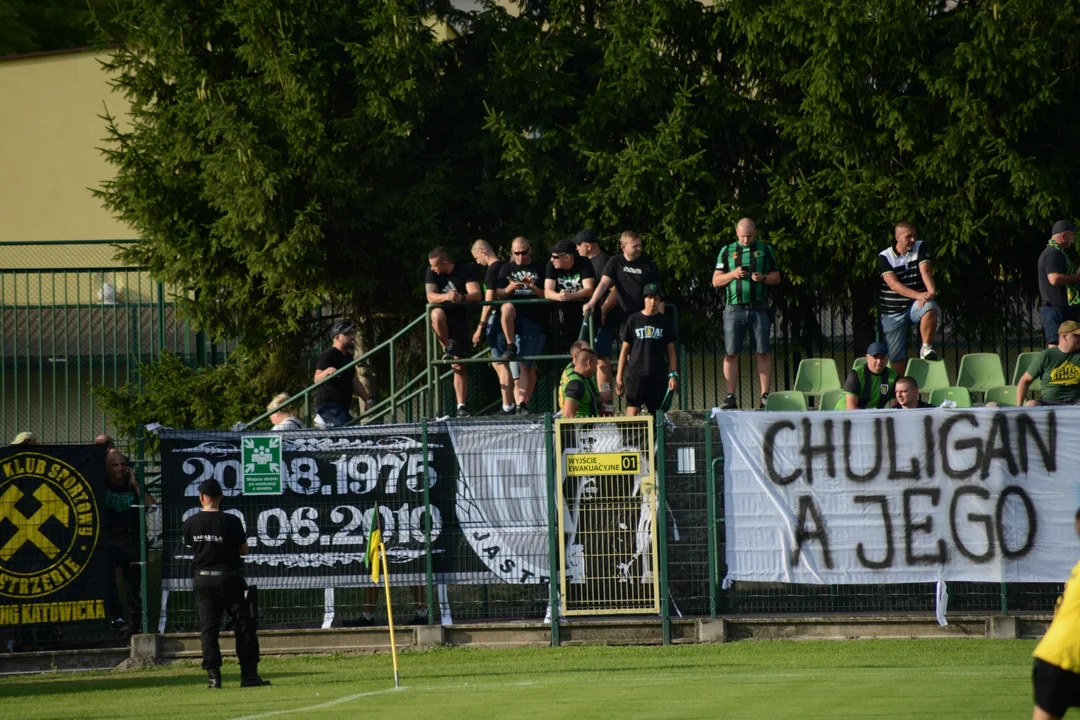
(49, 525)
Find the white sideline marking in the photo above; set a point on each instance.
(320, 706)
(357, 696)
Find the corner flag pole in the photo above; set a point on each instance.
(389, 610)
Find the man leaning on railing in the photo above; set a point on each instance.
(452, 285)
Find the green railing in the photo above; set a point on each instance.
(424, 394)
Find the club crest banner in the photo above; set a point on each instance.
(53, 565)
(901, 496)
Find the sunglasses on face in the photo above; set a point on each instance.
(522, 252)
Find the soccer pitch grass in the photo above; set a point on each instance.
(983, 679)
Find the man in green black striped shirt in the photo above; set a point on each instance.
(745, 269)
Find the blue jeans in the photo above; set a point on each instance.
(529, 337)
(496, 340)
(895, 326)
(605, 338)
(1051, 320)
(740, 318)
(331, 415)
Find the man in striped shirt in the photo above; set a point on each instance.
(745, 269)
(906, 296)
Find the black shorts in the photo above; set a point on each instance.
(645, 392)
(460, 335)
(1056, 690)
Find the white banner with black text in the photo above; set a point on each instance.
(901, 496)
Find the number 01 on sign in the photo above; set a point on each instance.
(580, 464)
(261, 467)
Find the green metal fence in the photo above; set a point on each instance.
(691, 548)
(74, 319)
(820, 328)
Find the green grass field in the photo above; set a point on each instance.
(983, 679)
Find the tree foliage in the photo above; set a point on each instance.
(286, 156)
(30, 26)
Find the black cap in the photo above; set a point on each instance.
(341, 327)
(1062, 226)
(652, 289)
(585, 236)
(210, 488)
(563, 247)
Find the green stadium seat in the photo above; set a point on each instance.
(816, 376)
(980, 371)
(786, 401)
(958, 395)
(1002, 395)
(1023, 360)
(859, 362)
(930, 375)
(832, 400)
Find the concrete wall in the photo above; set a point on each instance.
(51, 133)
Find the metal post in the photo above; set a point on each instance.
(553, 529)
(661, 527)
(161, 316)
(141, 459)
(710, 523)
(429, 404)
(427, 524)
(393, 383)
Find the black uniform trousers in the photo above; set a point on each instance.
(124, 554)
(214, 595)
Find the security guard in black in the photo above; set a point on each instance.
(218, 540)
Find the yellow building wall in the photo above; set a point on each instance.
(50, 132)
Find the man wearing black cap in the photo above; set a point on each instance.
(333, 398)
(871, 386)
(648, 366)
(604, 317)
(1058, 281)
(568, 280)
(451, 285)
(218, 541)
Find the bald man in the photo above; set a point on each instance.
(490, 326)
(745, 269)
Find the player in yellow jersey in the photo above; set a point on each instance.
(1056, 675)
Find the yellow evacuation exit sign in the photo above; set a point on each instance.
(602, 464)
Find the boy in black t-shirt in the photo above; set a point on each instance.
(452, 285)
(648, 366)
(568, 280)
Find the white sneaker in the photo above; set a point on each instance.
(927, 353)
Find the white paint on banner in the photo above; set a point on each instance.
(888, 496)
(501, 497)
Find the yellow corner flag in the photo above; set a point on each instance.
(373, 556)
